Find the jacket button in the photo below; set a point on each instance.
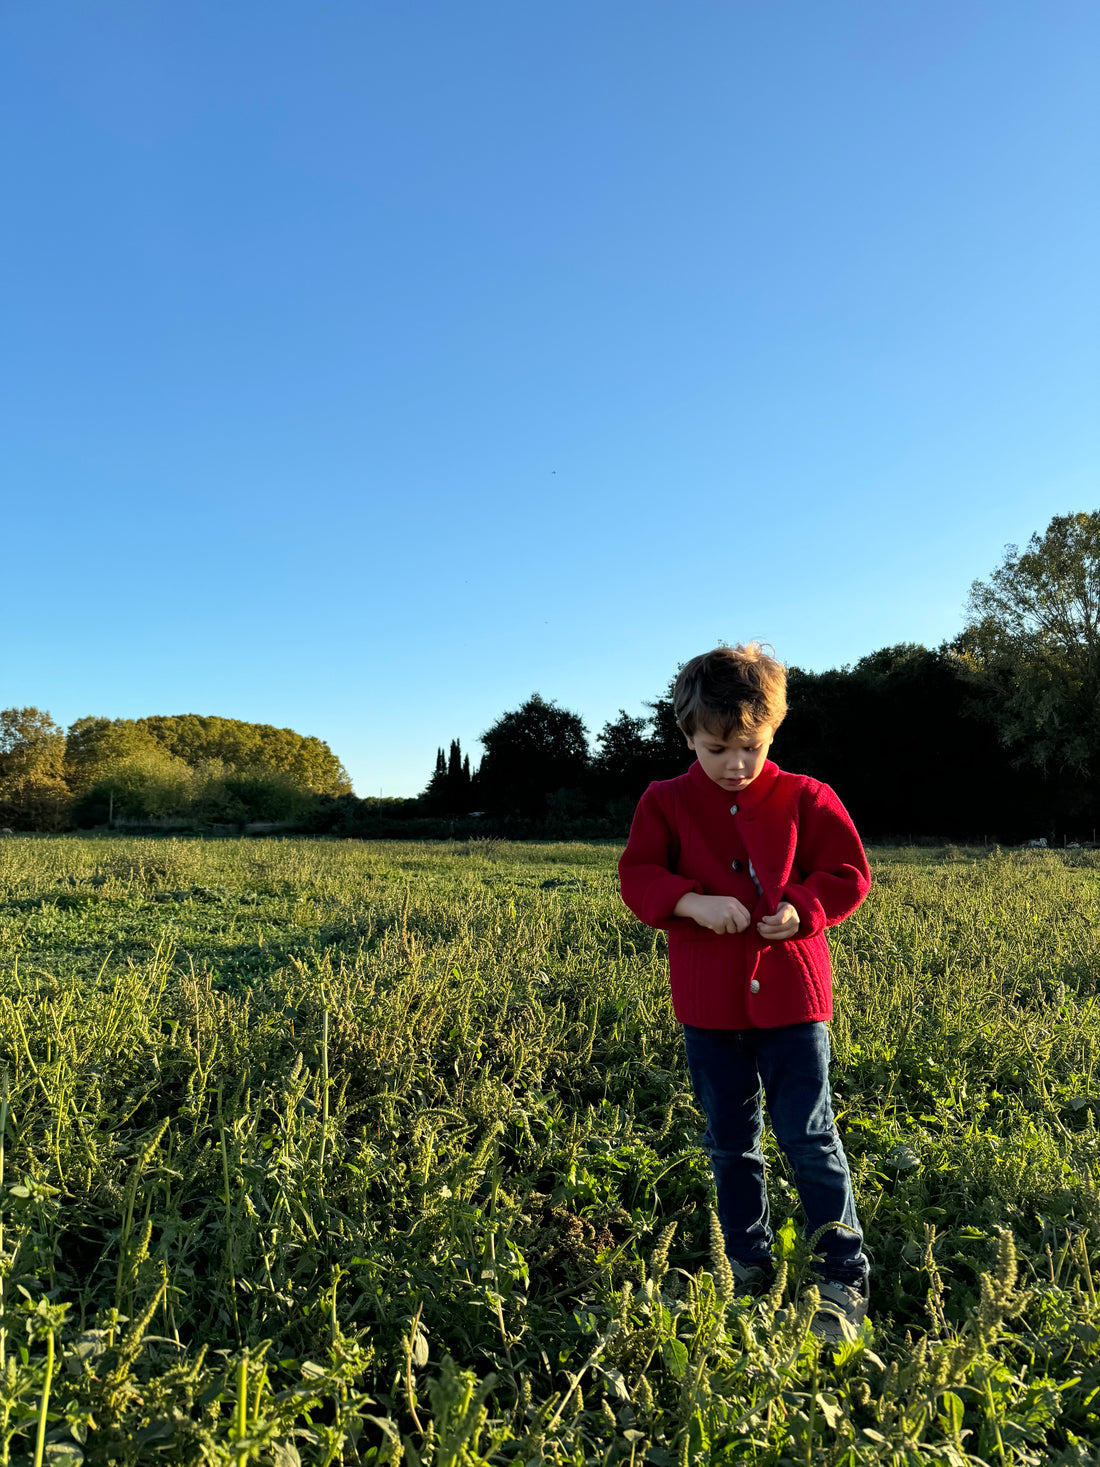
(733, 809)
(754, 986)
(735, 865)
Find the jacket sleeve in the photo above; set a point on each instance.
(649, 887)
(830, 855)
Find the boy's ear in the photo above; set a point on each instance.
(689, 738)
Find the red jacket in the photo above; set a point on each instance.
(689, 834)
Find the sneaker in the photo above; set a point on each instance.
(843, 1309)
(752, 1278)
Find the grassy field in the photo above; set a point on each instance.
(333, 1152)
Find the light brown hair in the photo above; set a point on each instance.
(731, 692)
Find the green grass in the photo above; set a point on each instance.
(336, 1152)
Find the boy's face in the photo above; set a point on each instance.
(735, 762)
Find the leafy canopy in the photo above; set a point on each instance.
(530, 753)
(238, 745)
(1034, 639)
(33, 792)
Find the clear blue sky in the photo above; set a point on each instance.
(370, 364)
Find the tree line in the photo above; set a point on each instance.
(186, 768)
(993, 735)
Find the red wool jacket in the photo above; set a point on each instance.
(689, 834)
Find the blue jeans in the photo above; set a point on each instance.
(728, 1068)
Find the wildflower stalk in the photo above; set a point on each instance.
(242, 1409)
(5, 1100)
(228, 1218)
(44, 1406)
(324, 1095)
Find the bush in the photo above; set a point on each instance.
(268, 794)
(151, 783)
(255, 794)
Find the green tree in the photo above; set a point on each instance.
(536, 750)
(449, 789)
(1033, 642)
(624, 756)
(117, 769)
(95, 747)
(197, 739)
(33, 791)
(670, 753)
(901, 740)
(434, 793)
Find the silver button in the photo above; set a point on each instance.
(754, 986)
(733, 809)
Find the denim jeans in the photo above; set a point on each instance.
(728, 1069)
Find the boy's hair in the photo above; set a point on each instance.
(731, 691)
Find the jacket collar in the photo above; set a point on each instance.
(748, 799)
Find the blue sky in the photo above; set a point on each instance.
(369, 365)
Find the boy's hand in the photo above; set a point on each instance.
(718, 913)
(782, 923)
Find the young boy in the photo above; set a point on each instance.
(745, 866)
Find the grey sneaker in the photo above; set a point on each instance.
(843, 1309)
(752, 1278)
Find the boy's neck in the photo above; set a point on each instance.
(745, 798)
